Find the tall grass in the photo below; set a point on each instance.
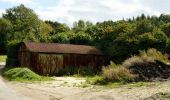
(155, 54)
(137, 60)
(115, 72)
(144, 57)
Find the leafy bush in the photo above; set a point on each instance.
(12, 53)
(61, 38)
(22, 74)
(115, 72)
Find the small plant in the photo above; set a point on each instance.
(23, 74)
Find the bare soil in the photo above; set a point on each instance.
(68, 88)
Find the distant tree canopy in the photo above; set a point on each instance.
(117, 38)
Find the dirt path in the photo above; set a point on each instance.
(64, 88)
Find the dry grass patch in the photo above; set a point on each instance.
(115, 72)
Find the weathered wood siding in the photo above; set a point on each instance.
(24, 56)
(49, 63)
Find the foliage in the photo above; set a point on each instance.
(61, 38)
(3, 58)
(12, 53)
(81, 38)
(24, 21)
(57, 27)
(23, 74)
(5, 29)
(22, 24)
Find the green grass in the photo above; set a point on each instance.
(23, 75)
(3, 58)
(99, 81)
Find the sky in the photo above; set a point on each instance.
(69, 11)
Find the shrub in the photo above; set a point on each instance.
(115, 72)
(12, 53)
(22, 74)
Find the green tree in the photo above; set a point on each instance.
(57, 27)
(25, 23)
(5, 30)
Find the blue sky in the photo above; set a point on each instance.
(68, 11)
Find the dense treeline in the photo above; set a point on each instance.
(117, 38)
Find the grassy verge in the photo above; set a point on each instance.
(23, 75)
(3, 58)
(99, 81)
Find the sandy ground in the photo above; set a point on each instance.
(69, 88)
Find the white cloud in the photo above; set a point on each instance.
(68, 11)
(18, 1)
(1, 11)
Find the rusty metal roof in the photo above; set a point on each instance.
(61, 48)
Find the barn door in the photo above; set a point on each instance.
(50, 63)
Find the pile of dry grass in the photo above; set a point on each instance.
(149, 65)
(115, 72)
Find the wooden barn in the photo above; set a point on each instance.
(49, 58)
